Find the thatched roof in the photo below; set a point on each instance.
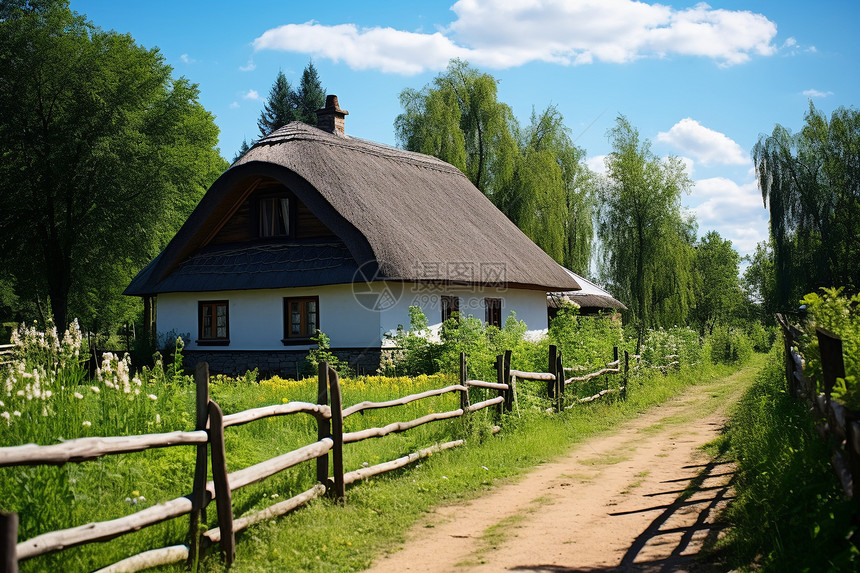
(405, 216)
(589, 296)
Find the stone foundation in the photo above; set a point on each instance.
(284, 363)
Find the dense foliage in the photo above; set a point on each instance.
(104, 156)
(535, 174)
(646, 240)
(810, 181)
(790, 513)
(839, 314)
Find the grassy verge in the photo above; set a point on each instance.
(790, 514)
(377, 514)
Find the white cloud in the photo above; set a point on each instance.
(502, 34)
(252, 95)
(816, 93)
(735, 211)
(186, 59)
(234, 105)
(705, 145)
(249, 67)
(597, 164)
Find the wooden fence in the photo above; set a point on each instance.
(6, 353)
(208, 439)
(837, 424)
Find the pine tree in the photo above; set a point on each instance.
(309, 97)
(279, 109)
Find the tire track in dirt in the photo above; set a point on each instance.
(642, 498)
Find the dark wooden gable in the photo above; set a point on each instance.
(241, 226)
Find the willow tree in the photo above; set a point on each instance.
(104, 155)
(810, 182)
(459, 119)
(646, 241)
(550, 194)
(535, 175)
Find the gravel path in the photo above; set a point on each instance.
(642, 498)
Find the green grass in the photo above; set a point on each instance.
(323, 535)
(377, 513)
(790, 514)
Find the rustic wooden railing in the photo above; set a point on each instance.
(836, 424)
(557, 383)
(7, 351)
(209, 436)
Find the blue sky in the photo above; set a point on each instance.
(700, 81)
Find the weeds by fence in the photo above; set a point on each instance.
(837, 424)
(208, 439)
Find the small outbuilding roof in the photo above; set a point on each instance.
(396, 214)
(589, 296)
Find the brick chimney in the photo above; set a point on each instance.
(331, 117)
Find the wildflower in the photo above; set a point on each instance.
(95, 389)
(16, 413)
(7, 417)
(79, 396)
(284, 400)
(158, 418)
(135, 493)
(86, 424)
(152, 397)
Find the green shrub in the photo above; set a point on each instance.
(762, 338)
(840, 315)
(729, 346)
(789, 514)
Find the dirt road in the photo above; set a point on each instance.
(643, 498)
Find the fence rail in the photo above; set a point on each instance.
(836, 424)
(209, 439)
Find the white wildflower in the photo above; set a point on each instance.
(86, 424)
(152, 397)
(95, 389)
(158, 418)
(6, 416)
(79, 396)
(16, 413)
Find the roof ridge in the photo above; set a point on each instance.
(289, 132)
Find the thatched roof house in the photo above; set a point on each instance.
(310, 221)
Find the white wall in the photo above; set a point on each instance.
(529, 305)
(256, 317)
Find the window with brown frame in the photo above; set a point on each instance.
(213, 324)
(493, 308)
(274, 216)
(450, 307)
(301, 319)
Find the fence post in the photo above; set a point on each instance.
(223, 497)
(789, 363)
(500, 379)
(8, 542)
(464, 394)
(336, 435)
(323, 424)
(626, 377)
(553, 363)
(832, 362)
(559, 384)
(506, 369)
(198, 494)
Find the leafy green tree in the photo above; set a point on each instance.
(459, 119)
(551, 193)
(810, 182)
(104, 155)
(647, 252)
(718, 295)
(759, 283)
(535, 175)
